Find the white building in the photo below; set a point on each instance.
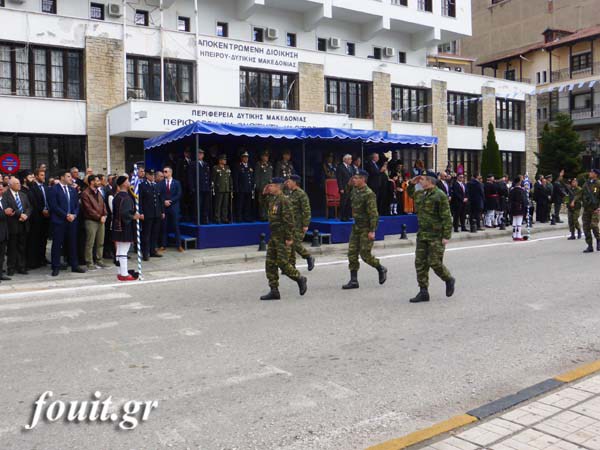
(341, 63)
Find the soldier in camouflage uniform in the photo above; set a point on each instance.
(284, 168)
(281, 222)
(574, 212)
(301, 209)
(263, 174)
(590, 199)
(435, 230)
(366, 219)
(222, 187)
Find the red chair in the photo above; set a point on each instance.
(332, 196)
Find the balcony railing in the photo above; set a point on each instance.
(579, 114)
(565, 74)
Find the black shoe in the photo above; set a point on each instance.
(353, 283)
(302, 285)
(589, 249)
(5, 278)
(55, 272)
(450, 287)
(463, 229)
(156, 255)
(579, 234)
(456, 230)
(78, 270)
(382, 274)
(146, 258)
(311, 263)
(598, 246)
(572, 237)
(22, 272)
(272, 295)
(422, 296)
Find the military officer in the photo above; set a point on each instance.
(284, 168)
(222, 187)
(573, 212)
(590, 199)
(243, 186)
(152, 211)
(435, 230)
(263, 174)
(281, 223)
(301, 210)
(366, 219)
(203, 170)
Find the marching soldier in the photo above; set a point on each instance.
(243, 182)
(590, 199)
(301, 209)
(152, 212)
(573, 212)
(262, 174)
(366, 219)
(222, 187)
(281, 223)
(284, 168)
(435, 230)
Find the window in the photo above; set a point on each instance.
(468, 159)
(141, 17)
(349, 97)
(350, 48)
(183, 23)
(322, 44)
(179, 81)
(544, 113)
(411, 104)
(97, 11)
(258, 34)
(291, 39)
(538, 77)
(49, 6)
(377, 53)
(40, 71)
(449, 47)
(512, 163)
(581, 101)
(1, 3)
(402, 57)
(463, 109)
(425, 5)
(400, 2)
(582, 61)
(510, 74)
(143, 78)
(262, 89)
(222, 29)
(449, 8)
(544, 76)
(510, 114)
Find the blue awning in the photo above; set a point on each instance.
(367, 136)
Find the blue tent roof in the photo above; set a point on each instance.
(367, 136)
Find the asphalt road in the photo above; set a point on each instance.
(330, 370)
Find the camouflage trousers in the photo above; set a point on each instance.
(590, 220)
(278, 257)
(430, 254)
(262, 205)
(297, 247)
(360, 245)
(573, 216)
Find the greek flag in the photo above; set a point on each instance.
(135, 181)
(526, 182)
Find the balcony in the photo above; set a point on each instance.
(582, 114)
(566, 74)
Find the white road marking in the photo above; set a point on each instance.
(268, 372)
(90, 327)
(168, 316)
(43, 317)
(135, 305)
(62, 301)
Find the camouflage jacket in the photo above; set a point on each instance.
(301, 208)
(433, 212)
(263, 175)
(572, 194)
(221, 178)
(589, 195)
(281, 218)
(364, 208)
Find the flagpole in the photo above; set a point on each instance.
(137, 222)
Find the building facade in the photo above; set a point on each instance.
(85, 82)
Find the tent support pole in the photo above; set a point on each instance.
(303, 165)
(197, 182)
(362, 153)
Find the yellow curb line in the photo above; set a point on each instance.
(426, 434)
(580, 372)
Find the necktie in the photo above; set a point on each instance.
(19, 204)
(41, 186)
(168, 186)
(66, 189)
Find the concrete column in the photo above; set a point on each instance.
(103, 90)
(311, 90)
(439, 119)
(382, 101)
(531, 135)
(488, 110)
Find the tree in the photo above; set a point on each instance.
(560, 148)
(491, 161)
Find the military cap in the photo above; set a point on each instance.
(431, 173)
(286, 152)
(548, 177)
(150, 172)
(200, 150)
(223, 156)
(596, 171)
(295, 178)
(264, 152)
(277, 180)
(363, 173)
(244, 154)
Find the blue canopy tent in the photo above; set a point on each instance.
(191, 134)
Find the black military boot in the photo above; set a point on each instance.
(302, 285)
(589, 249)
(382, 274)
(311, 263)
(353, 283)
(597, 245)
(272, 295)
(422, 296)
(572, 237)
(450, 287)
(579, 234)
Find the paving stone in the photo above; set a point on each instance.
(565, 424)
(590, 408)
(531, 413)
(534, 440)
(566, 398)
(452, 443)
(489, 432)
(590, 385)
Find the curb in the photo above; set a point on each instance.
(489, 409)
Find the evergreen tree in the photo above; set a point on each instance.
(491, 160)
(560, 148)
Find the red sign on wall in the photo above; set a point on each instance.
(10, 163)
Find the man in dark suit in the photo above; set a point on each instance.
(77, 182)
(243, 187)
(375, 180)
(107, 192)
(18, 209)
(476, 200)
(170, 192)
(3, 233)
(152, 211)
(40, 221)
(64, 212)
(458, 202)
(444, 184)
(343, 174)
(203, 194)
(183, 171)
